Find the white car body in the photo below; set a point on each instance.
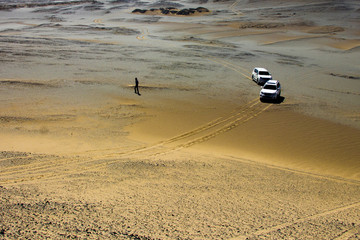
(261, 75)
(271, 90)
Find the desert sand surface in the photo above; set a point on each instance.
(197, 155)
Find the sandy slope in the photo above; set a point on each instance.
(197, 155)
(178, 196)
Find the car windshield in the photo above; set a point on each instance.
(264, 73)
(272, 87)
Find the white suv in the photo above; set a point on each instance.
(270, 90)
(260, 75)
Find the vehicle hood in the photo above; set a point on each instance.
(268, 91)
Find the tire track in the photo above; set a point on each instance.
(349, 233)
(230, 66)
(232, 8)
(39, 167)
(15, 158)
(39, 158)
(252, 110)
(227, 127)
(61, 167)
(160, 149)
(300, 220)
(209, 125)
(200, 129)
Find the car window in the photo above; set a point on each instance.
(272, 87)
(256, 71)
(264, 73)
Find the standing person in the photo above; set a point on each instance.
(136, 88)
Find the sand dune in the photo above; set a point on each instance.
(196, 155)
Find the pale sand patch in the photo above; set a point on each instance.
(242, 33)
(98, 21)
(176, 26)
(324, 29)
(344, 44)
(284, 38)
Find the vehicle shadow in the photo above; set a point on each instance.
(279, 100)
